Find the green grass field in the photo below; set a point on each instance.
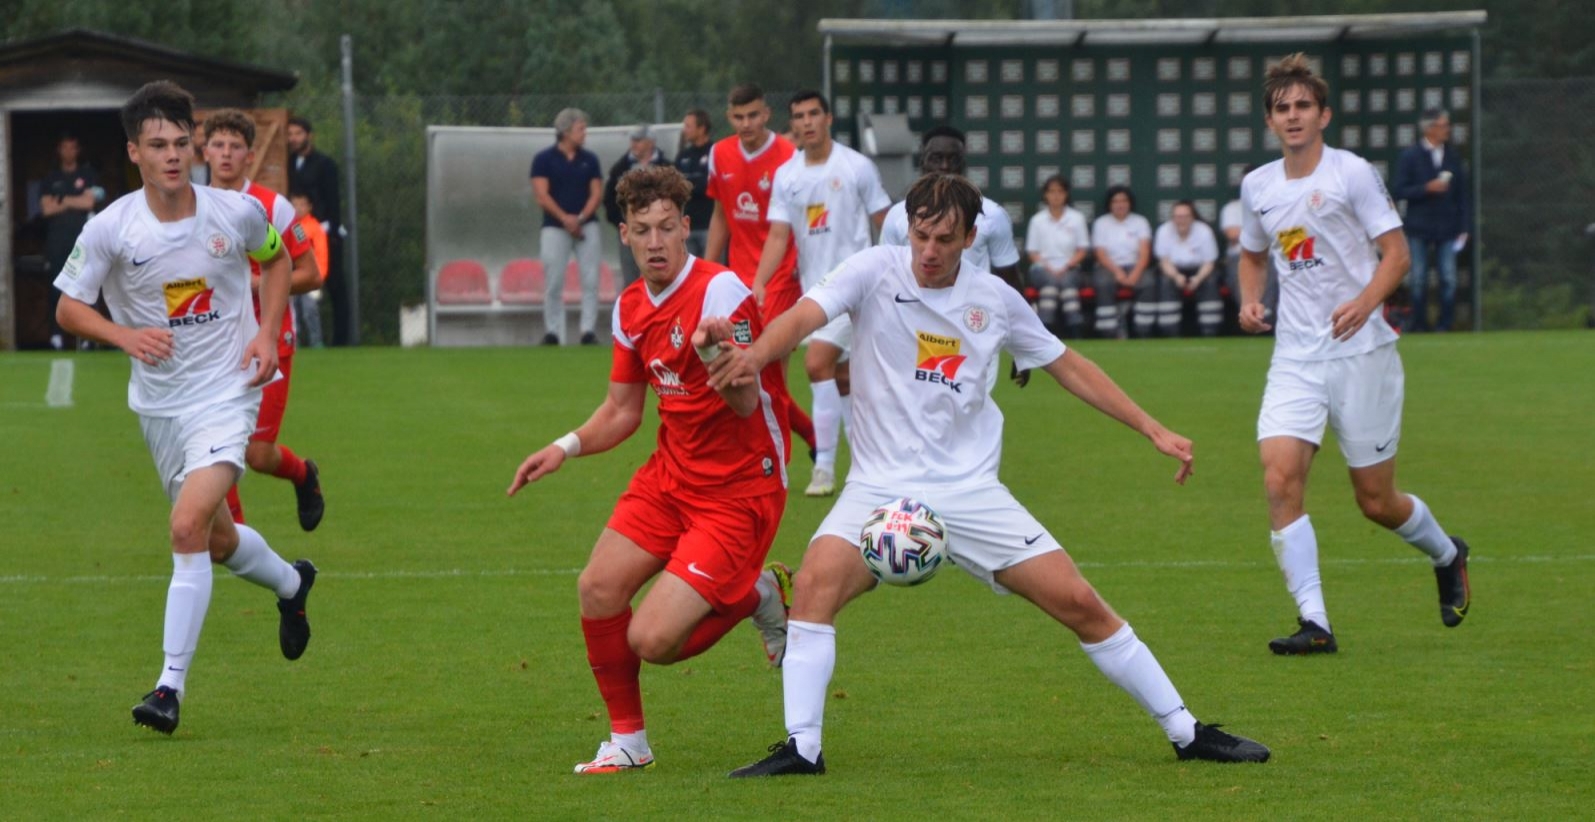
(447, 678)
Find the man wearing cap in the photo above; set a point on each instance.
(644, 152)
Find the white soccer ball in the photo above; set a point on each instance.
(903, 542)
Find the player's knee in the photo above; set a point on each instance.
(1281, 485)
(817, 592)
(652, 646)
(1380, 508)
(189, 533)
(258, 456)
(599, 594)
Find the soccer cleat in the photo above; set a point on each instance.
(1454, 591)
(1215, 745)
(784, 760)
(158, 711)
(293, 629)
(311, 505)
(589, 338)
(822, 485)
(613, 758)
(775, 600)
(1310, 639)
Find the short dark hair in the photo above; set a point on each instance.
(643, 186)
(806, 95)
(942, 131)
(1289, 73)
(933, 196)
(744, 93)
(1056, 179)
(233, 120)
(298, 194)
(702, 117)
(302, 122)
(1190, 204)
(1114, 191)
(65, 136)
(160, 100)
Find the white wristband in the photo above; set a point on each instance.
(571, 444)
(708, 353)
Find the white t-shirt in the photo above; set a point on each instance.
(1057, 240)
(993, 247)
(191, 277)
(1190, 251)
(924, 363)
(1230, 217)
(1319, 231)
(828, 207)
(1121, 239)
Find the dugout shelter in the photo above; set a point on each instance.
(1170, 108)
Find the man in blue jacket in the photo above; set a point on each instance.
(1430, 177)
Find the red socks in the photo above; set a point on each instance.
(717, 625)
(615, 667)
(291, 468)
(235, 506)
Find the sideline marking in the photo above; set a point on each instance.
(59, 394)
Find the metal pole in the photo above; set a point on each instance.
(351, 257)
(1478, 188)
(825, 72)
(659, 104)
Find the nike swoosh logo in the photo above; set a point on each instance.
(1381, 448)
(143, 261)
(1265, 210)
(900, 298)
(179, 670)
(692, 567)
(215, 448)
(1032, 540)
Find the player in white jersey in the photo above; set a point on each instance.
(172, 261)
(1334, 235)
(942, 150)
(828, 197)
(928, 332)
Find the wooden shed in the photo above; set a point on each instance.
(74, 82)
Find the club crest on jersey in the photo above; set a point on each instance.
(1297, 246)
(1316, 199)
(836, 183)
(678, 337)
(742, 332)
(939, 360)
(977, 318)
(819, 219)
(188, 302)
(764, 182)
(667, 383)
(218, 245)
(747, 207)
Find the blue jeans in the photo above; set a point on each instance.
(1445, 257)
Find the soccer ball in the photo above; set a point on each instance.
(903, 542)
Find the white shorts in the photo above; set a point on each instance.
(1359, 397)
(987, 529)
(217, 433)
(837, 332)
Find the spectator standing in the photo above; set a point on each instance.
(316, 175)
(1056, 242)
(693, 163)
(569, 187)
(644, 153)
(66, 199)
(1123, 243)
(1187, 257)
(1430, 177)
(307, 307)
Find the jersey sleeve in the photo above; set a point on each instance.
(871, 192)
(1370, 199)
(844, 288)
(1253, 237)
(539, 165)
(1030, 343)
(712, 188)
(727, 297)
(1000, 244)
(1082, 233)
(89, 263)
(894, 231)
(626, 365)
(287, 224)
(1208, 241)
(779, 210)
(251, 221)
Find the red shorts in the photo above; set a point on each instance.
(716, 546)
(273, 404)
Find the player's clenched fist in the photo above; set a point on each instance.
(1251, 318)
(537, 466)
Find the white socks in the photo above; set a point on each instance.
(827, 423)
(1126, 661)
(636, 741)
(255, 561)
(187, 599)
(1425, 534)
(1296, 549)
(805, 676)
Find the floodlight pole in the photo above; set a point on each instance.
(1478, 187)
(352, 241)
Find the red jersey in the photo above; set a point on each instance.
(294, 240)
(741, 183)
(703, 444)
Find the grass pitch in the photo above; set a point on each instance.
(447, 677)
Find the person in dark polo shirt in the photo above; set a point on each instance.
(569, 186)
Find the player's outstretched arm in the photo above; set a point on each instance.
(1084, 379)
(616, 418)
(147, 345)
(1394, 260)
(741, 366)
(712, 340)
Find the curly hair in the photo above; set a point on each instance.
(1289, 73)
(233, 120)
(641, 187)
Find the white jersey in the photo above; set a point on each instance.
(191, 277)
(1121, 239)
(1319, 231)
(993, 247)
(1191, 251)
(828, 207)
(924, 363)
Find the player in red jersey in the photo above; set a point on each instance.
(704, 508)
(229, 137)
(741, 176)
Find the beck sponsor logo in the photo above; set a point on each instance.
(1298, 248)
(188, 303)
(819, 219)
(939, 360)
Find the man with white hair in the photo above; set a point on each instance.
(569, 186)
